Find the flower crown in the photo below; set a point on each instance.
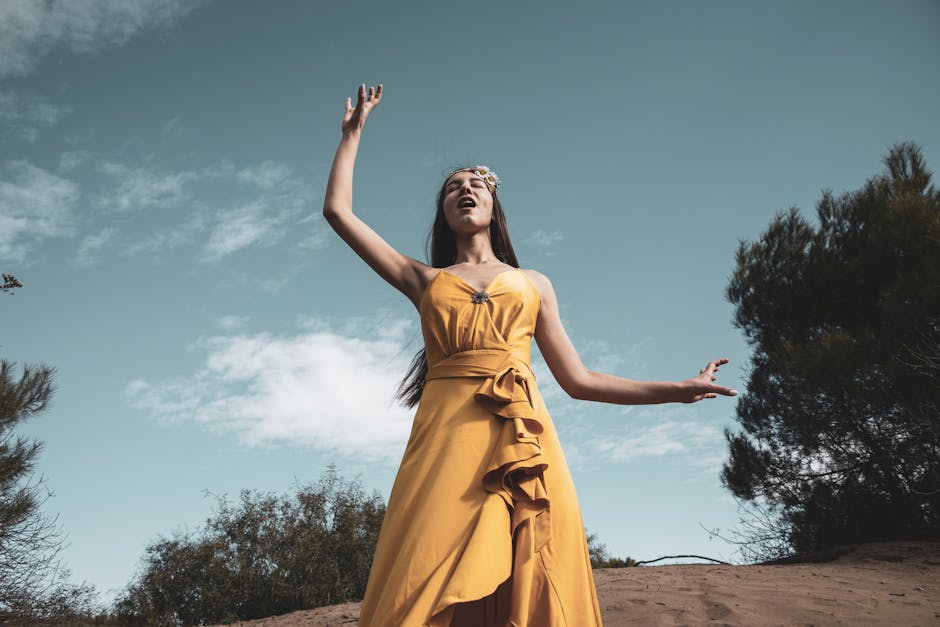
(483, 172)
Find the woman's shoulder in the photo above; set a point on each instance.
(541, 282)
(537, 277)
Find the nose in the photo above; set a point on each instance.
(466, 186)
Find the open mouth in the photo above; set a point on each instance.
(466, 202)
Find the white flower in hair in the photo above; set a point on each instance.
(487, 175)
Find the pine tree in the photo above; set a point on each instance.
(29, 539)
(840, 424)
(9, 284)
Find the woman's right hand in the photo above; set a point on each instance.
(702, 386)
(355, 117)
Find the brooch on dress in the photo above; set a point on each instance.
(480, 297)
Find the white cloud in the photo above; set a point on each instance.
(71, 159)
(274, 198)
(140, 188)
(168, 239)
(248, 282)
(24, 114)
(321, 236)
(231, 323)
(708, 462)
(545, 239)
(243, 227)
(382, 325)
(602, 357)
(91, 245)
(173, 127)
(29, 30)
(266, 174)
(665, 436)
(34, 205)
(316, 241)
(263, 221)
(323, 389)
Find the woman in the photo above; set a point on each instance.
(482, 525)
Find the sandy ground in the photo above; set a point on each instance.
(874, 584)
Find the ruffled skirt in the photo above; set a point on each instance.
(482, 525)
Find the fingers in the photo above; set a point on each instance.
(718, 389)
(717, 362)
(375, 94)
(713, 391)
(371, 98)
(713, 365)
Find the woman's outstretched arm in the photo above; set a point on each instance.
(584, 384)
(402, 272)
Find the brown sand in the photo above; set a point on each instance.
(894, 583)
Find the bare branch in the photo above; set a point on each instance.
(672, 557)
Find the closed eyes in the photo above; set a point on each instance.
(457, 184)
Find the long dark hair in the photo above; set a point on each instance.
(442, 252)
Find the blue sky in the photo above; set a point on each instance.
(161, 181)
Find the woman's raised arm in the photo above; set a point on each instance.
(579, 382)
(404, 273)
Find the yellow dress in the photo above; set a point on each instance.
(482, 526)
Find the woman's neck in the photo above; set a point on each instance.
(475, 250)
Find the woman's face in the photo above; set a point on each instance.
(468, 203)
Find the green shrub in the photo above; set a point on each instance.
(264, 556)
(599, 557)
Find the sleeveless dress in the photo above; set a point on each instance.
(482, 526)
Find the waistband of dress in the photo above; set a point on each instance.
(478, 362)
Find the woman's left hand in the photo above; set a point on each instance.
(355, 117)
(702, 386)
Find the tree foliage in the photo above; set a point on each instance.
(600, 558)
(840, 431)
(34, 587)
(264, 556)
(9, 284)
(29, 540)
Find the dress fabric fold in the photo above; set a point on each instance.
(482, 526)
